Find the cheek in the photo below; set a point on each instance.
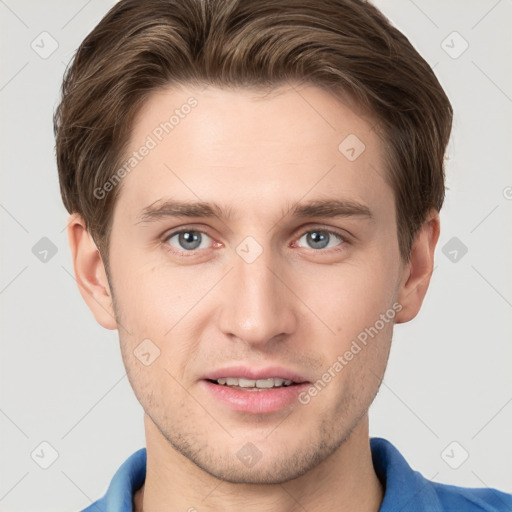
(350, 297)
(361, 362)
(154, 299)
(159, 311)
(356, 302)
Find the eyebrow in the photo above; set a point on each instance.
(329, 208)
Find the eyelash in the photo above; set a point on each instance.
(166, 238)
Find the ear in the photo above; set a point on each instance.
(90, 273)
(418, 271)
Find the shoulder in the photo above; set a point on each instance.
(482, 499)
(406, 490)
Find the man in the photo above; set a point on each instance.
(254, 190)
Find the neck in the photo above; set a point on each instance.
(345, 481)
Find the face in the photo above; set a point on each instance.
(288, 270)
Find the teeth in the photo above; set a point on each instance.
(268, 383)
(249, 383)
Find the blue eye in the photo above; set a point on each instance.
(188, 240)
(321, 239)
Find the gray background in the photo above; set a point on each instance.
(62, 378)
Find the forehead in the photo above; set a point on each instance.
(244, 145)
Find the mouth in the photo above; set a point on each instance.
(254, 391)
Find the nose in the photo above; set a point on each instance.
(257, 305)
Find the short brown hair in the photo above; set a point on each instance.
(343, 46)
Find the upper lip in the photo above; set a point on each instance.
(253, 373)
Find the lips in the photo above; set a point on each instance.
(254, 390)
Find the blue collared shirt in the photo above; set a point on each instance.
(405, 490)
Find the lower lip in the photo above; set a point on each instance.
(256, 402)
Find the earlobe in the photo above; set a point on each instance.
(90, 273)
(418, 271)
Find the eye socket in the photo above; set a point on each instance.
(321, 238)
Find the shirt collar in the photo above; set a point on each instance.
(404, 489)
(126, 481)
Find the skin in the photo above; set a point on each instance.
(296, 306)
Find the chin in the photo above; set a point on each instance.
(251, 465)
